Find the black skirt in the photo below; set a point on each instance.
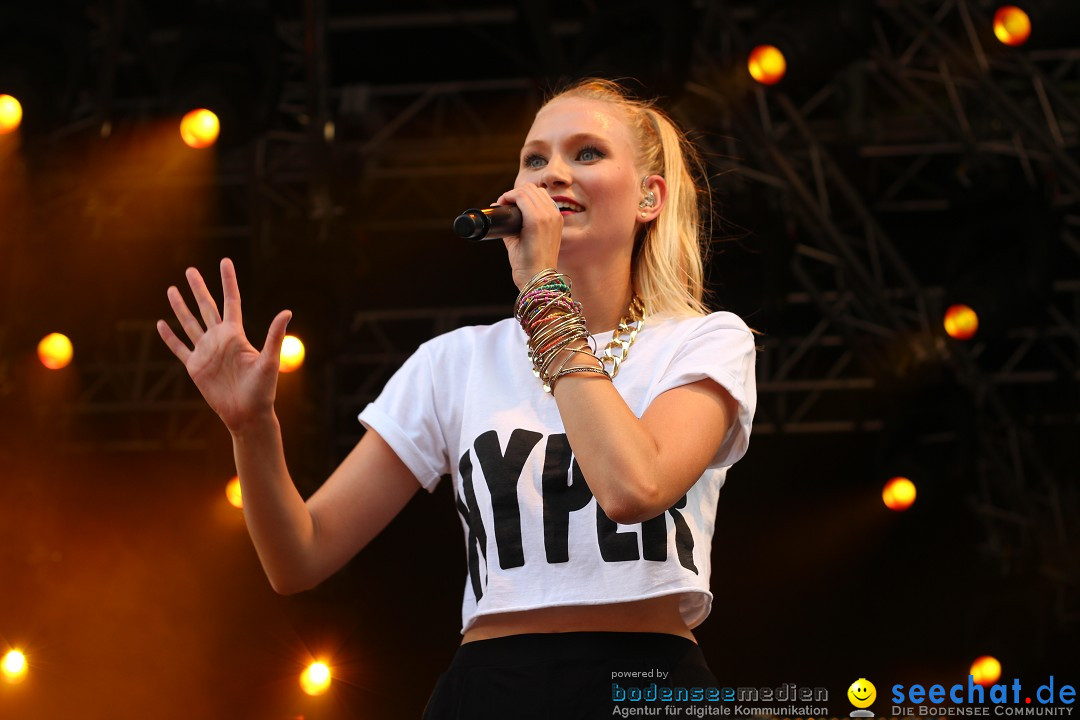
(582, 675)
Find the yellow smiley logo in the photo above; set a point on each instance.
(862, 693)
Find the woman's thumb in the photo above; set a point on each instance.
(275, 336)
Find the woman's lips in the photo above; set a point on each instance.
(567, 206)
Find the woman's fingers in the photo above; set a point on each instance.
(179, 349)
(207, 307)
(231, 292)
(533, 201)
(541, 216)
(276, 335)
(209, 311)
(187, 320)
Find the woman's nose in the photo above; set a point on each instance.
(556, 174)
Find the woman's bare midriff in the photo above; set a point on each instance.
(659, 615)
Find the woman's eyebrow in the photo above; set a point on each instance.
(585, 137)
(570, 139)
(534, 145)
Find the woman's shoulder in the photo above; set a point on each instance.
(718, 320)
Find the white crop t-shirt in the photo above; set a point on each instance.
(466, 404)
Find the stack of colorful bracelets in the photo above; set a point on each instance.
(553, 322)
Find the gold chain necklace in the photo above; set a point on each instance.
(635, 317)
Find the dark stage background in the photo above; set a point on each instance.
(908, 161)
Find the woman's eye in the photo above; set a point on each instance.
(589, 154)
(533, 161)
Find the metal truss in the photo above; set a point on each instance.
(864, 285)
(976, 98)
(1030, 506)
(133, 396)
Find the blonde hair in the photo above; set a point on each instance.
(668, 265)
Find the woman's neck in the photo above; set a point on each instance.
(604, 295)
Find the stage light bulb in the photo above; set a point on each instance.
(961, 322)
(292, 354)
(55, 351)
(315, 680)
(767, 64)
(10, 114)
(985, 671)
(200, 128)
(13, 667)
(898, 494)
(1012, 26)
(232, 492)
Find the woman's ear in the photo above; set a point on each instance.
(653, 197)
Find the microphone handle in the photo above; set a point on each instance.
(493, 223)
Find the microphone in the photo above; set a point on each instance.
(490, 223)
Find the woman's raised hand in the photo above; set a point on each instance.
(238, 381)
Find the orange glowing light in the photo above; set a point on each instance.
(55, 351)
(200, 128)
(961, 322)
(232, 492)
(10, 114)
(898, 494)
(1012, 25)
(767, 64)
(13, 667)
(292, 354)
(315, 680)
(985, 671)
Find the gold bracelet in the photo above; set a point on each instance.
(552, 325)
(537, 280)
(583, 351)
(550, 387)
(540, 342)
(548, 342)
(556, 328)
(542, 363)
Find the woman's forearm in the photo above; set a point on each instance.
(614, 449)
(278, 520)
(639, 467)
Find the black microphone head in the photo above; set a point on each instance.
(471, 225)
